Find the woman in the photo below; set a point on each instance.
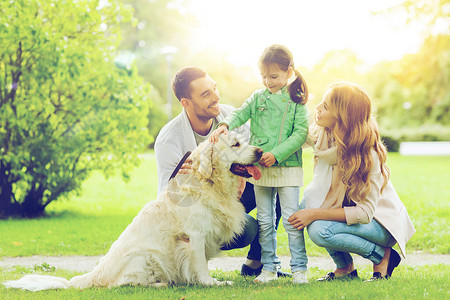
(351, 206)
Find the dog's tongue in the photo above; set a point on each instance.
(254, 171)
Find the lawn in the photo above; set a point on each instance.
(428, 282)
(87, 224)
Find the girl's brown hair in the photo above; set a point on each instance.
(356, 134)
(280, 55)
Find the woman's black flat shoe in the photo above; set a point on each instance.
(394, 261)
(376, 276)
(331, 276)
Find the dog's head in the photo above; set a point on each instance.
(231, 153)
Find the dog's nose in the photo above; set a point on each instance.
(259, 152)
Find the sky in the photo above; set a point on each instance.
(309, 28)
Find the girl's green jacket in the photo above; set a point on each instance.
(278, 125)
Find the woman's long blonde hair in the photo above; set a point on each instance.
(356, 134)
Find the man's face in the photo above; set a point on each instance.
(204, 98)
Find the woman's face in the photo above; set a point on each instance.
(324, 117)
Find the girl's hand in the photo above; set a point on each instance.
(302, 218)
(214, 137)
(267, 160)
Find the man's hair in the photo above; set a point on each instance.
(181, 81)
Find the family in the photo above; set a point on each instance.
(349, 207)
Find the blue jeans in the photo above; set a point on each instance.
(265, 203)
(249, 202)
(338, 238)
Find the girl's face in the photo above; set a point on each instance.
(274, 78)
(324, 117)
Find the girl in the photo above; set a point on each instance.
(279, 125)
(351, 206)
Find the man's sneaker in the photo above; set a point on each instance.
(266, 276)
(299, 277)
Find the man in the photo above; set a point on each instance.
(198, 94)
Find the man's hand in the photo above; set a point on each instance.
(267, 160)
(302, 218)
(214, 137)
(241, 187)
(186, 167)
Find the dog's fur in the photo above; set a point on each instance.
(171, 239)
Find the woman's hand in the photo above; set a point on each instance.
(267, 160)
(214, 137)
(302, 218)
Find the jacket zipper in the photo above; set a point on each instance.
(282, 122)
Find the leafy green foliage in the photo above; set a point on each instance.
(65, 107)
(166, 23)
(391, 144)
(44, 267)
(159, 24)
(413, 91)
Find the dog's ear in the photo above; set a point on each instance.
(205, 163)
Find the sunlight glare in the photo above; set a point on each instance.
(309, 28)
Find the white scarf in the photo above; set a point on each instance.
(326, 189)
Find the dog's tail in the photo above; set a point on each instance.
(38, 283)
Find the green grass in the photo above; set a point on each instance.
(89, 223)
(430, 282)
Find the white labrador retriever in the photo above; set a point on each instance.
(171, 239)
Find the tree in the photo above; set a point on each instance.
(426, 75)
(335, 65)
(414, 90)
(162, 23)
(65, 107)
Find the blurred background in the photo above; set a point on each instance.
(398, 50)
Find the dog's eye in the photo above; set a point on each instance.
(236, 144)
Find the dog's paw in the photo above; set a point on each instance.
(213, 281)
(217, 282)
(159, 285)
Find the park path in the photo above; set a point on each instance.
(224, 263)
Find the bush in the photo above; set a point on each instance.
(391, 144)
(65, 108)
(428, 132)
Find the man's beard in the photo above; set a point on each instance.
(206, 118)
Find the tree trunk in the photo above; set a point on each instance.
(32, 205)
(7, 206)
